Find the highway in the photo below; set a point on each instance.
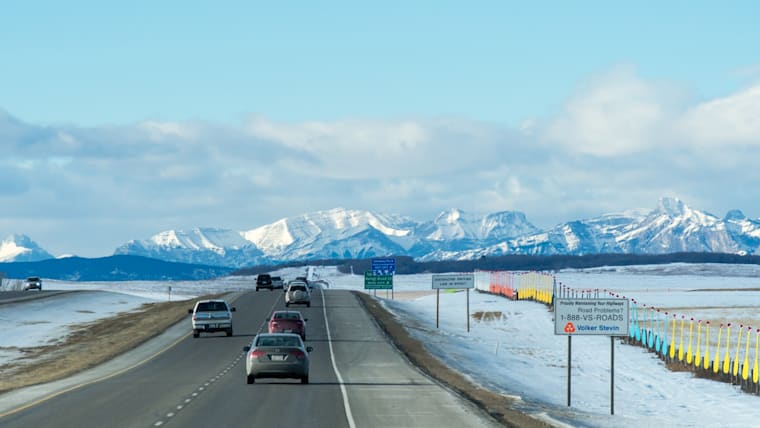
(357, 379)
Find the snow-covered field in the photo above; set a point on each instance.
(513, 351)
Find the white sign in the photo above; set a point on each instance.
(453, 281)
(605, 317)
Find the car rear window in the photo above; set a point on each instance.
(298, 288)
(211, 307)
(277, 341)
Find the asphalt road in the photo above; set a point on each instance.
(357, 379)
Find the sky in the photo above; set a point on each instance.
(118, 122)
(514, 352)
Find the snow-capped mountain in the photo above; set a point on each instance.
(332, 234)
(670, 228)
(340, 233)
(20, 248)
(210, 246)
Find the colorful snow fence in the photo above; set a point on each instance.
(685, 344)
(682, 342)
(537, 286)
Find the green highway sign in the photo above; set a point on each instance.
(377, 282)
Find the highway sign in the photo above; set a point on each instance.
(604, 317)
(377, 282)
(385, 266)
(453, 281)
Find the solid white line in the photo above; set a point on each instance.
(349, 415)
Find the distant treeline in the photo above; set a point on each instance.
(407, 265)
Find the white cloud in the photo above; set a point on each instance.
(364, 149)
(158, 131)
(615, 113)
(725, 121)
(620, 142)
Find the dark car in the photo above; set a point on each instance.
(33, 283)
(287, 322)
(264, 280)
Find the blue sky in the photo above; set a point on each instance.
(562, 110)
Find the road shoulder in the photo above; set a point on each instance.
(497, 405)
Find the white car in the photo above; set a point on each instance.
(298, 294)
(211, 316)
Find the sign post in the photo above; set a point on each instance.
(384, 267)
(456, 281)
(600, 317)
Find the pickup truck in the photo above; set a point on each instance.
(211, 316)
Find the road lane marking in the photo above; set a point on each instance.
(346, 405)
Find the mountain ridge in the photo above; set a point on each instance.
(454, 234)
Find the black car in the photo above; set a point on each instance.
(264, 280)
(33, 283)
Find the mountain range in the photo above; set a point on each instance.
(340, 233)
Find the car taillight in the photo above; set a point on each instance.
(298, 354)
(256, 354)
(273, 324)
(300, 323)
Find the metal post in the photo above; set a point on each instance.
(569, 362)
(612, 375)
(468, 310)
(437, 300)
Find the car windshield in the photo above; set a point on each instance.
(278, 341)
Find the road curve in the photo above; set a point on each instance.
(357, 379)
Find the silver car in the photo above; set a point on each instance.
(298, 294)
(277, 355)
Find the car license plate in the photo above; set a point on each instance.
(277, 357)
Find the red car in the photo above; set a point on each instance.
(288, 322)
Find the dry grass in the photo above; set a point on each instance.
(486, 316)
(91, 344)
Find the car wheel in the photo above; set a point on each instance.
(250, 379)
(196, 334)
(308, 305)
(257, 288)
(305, 379)
(303, 338)
(287, 305)
(229, 332)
